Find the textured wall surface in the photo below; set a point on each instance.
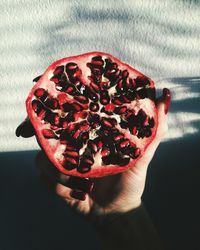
(159, 38)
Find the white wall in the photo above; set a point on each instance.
(159, 38)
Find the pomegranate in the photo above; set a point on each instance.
(93, 114)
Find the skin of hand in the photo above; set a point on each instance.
(99, 197)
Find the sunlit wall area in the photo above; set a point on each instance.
(159, 38)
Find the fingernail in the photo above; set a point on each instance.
(78, 195)
(25, 129)
(167, 99)
(82, 184)
(37, 78)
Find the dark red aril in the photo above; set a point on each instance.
(94, 106)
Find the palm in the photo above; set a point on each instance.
(119, 192)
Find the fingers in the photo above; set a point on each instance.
(69, 186)
(25, 129)
(163, 105)
(166, 99)
(77, 194)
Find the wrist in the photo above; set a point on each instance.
(124, 208)
(109, 215)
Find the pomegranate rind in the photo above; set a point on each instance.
(97, 171)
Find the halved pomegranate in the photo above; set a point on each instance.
(93, 114)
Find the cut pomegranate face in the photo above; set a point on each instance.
(93, 114)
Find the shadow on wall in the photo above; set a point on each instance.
(150, 42)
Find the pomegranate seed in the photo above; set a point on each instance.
(151, 122)
(110, 107)
(88, 161)
(120, 110)
(77, 74)
(105, 151)
(66, 107)
(109, 159)
(107, 122)
(77, 134)
(62, 98)
(118, 137)
(83, 123)
(69, 147)
(104, 85)
(71, 153)
(117, 101)
(41, 93)
(94, 87)
(92, 145)
(93, 118)
(134, 130)
(82, 115)
(125, 73)
(96, 71)
(59, 70)
(146, 93)
(55, 119)
(97, 61)
(124, 143)
(124, 124)
(94, 107)
(100, 145)
(71, 160)
(49, 134)
(129, 96)
(70, 117)
(142, 81)
(68, 165)
(84, 136)
(125, 99)
(52, 103)
(55, 79)
(77, 107)
(123, 161)
(39, 109)
(120, 86)
(147, 131)
(37, 106)
(131, 84)
(104, 95)
(82, 99)
(83, 168)
(93, 96)
(70, 89)
(71, 67)
(137, 153)
(141, 117)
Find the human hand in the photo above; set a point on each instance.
(108, 195)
